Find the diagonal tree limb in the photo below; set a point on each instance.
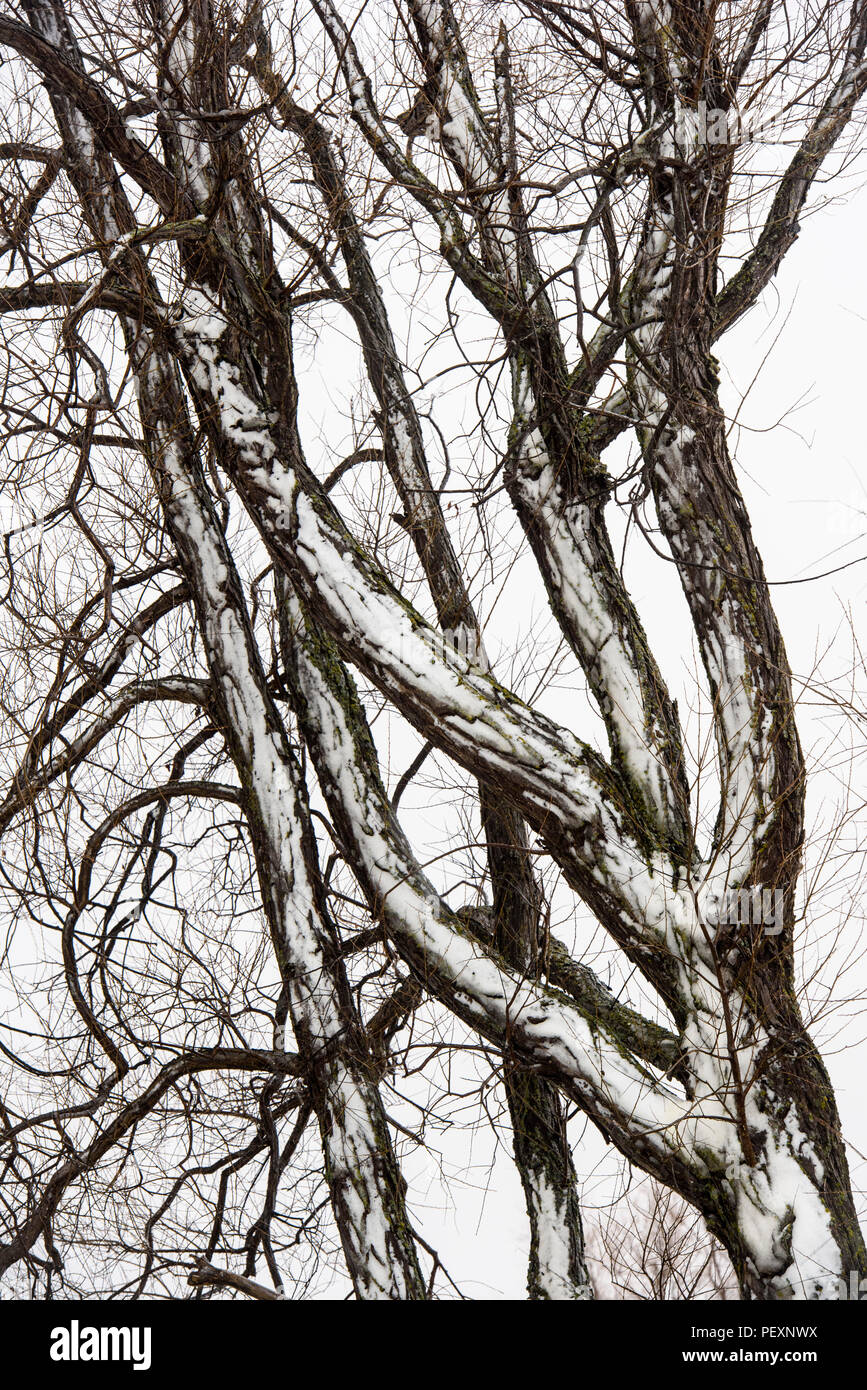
(782, 226)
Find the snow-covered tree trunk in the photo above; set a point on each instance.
(366, 1188)
(557, 1267)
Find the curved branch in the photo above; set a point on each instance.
(130, 1115)
(29, 781)
(782, 226)
(62, 74)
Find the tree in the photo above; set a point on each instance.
(655, 1248)
(207, 633)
